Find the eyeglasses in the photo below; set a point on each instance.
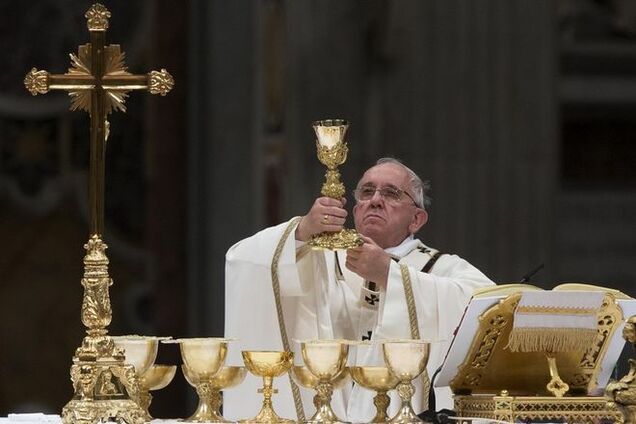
(391, 195)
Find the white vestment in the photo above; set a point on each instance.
(321, 299)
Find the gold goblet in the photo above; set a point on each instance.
(210, 400)
(381, 381)
(326, 360)
(267, 364)
(406, 359)
(305, 378)
(332, 152)
(202, 360)
(157, 377)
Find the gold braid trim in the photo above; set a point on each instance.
(415, 330)
(555, 310)
(533, 339)
(279, 310)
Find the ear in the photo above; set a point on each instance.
(419, 219)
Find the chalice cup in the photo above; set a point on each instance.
(305, 378)
(267, 364)
(141, 353)
(157, 377)
(379, 379)
(326, 360)
(332, 152)
(406, 359)
(210, 399)
(202, 361)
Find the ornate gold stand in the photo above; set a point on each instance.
(537, 408)
(105, 387)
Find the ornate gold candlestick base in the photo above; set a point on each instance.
(102, 394)
(106, 389)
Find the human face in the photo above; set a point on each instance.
(388, 223)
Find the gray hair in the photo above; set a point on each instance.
(420, 188)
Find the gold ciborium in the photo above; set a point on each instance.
(332, 152)
(326, 360)
(267, 364)
(406, 359)
(379, 379)
(202, 360)
(210, 400)
(156, 378)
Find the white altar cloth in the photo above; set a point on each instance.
(39, 418)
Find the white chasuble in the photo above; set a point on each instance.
(320, 298)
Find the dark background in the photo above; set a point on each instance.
(522, 113)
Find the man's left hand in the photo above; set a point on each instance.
(369, 261)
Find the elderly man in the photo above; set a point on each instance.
(278, 290)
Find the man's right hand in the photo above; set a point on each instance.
(326, 214)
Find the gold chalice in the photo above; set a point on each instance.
(326, 360)
(381, 381)
(406, 359)
(332, 151)
(210, 400)
(202, 360)
(267, 364)
(305, 378)
(157, 377)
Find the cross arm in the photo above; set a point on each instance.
(156, 82)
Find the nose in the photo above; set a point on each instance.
(376, 199)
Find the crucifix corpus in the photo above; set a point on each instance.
(105, 387)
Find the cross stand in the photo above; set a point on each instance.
(105, 387)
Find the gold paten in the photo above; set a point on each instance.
(381, 381)
(105, 387)
(332, 152)
(267, 364)
(523, 392)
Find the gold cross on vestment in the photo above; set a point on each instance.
(98, 83)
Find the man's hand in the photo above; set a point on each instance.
(326, 214)
(369, 261)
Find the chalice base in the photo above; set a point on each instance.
(206, 414)
(406, 415)
(342, 240)
(325, 414)
(267, 415)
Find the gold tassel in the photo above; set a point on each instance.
(532, 339)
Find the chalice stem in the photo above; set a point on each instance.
(381, 402)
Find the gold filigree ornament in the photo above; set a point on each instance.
(161, 82)
(97, 17)
(37, 82)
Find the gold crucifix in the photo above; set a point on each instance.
(106, 388)
(98, 83)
